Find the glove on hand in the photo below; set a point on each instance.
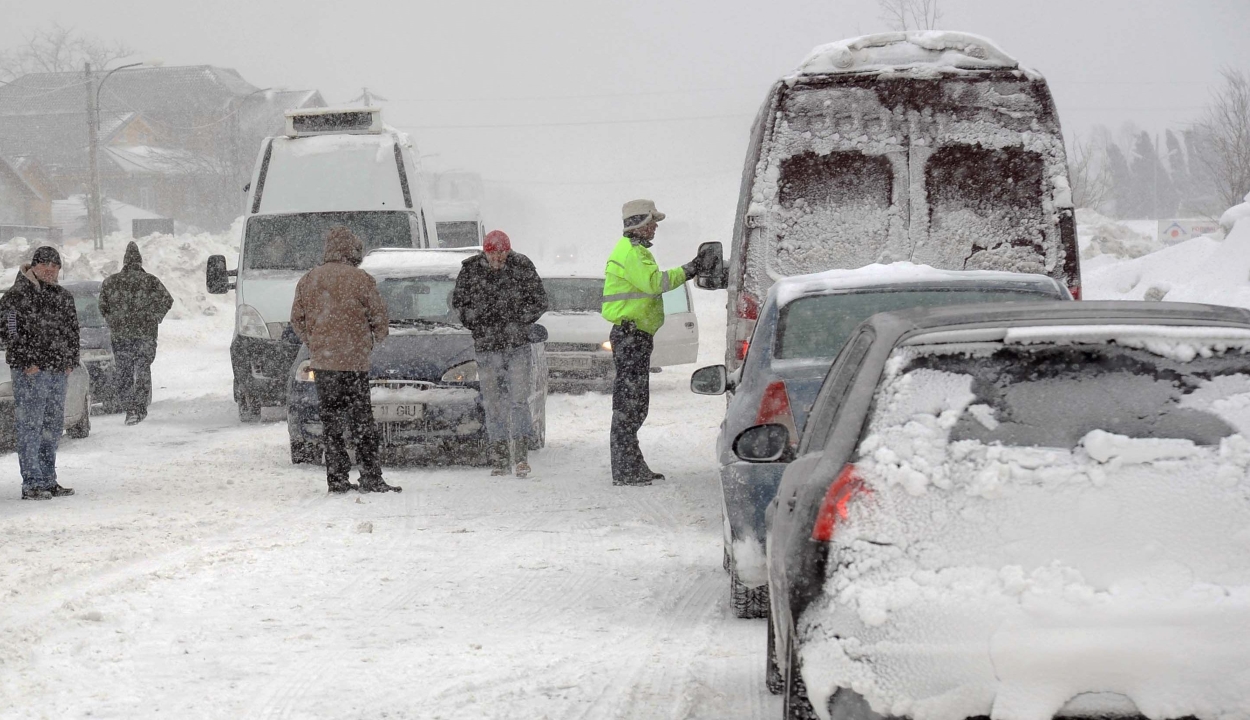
(691, 268)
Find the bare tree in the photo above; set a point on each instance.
(1225, 132)
(59, 49)
(1090, 173)
(910, 14)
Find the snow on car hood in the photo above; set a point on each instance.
(981, 577)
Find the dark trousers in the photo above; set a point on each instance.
(345, 408)
(631, 399)
(132, 358)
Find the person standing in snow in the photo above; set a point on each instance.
(133, 303)
(632, 289)
(500, 297)
(39, 326)
(340, 315)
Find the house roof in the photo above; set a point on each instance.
(57, 140)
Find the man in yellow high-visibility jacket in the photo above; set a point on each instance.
(632, 287)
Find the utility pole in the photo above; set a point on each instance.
(95, 217)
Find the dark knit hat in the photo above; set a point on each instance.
(46, 254)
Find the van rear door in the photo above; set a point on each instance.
(677, 342)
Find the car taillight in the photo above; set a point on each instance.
(775, 408)
(748, 307)
(836, 505)
(743, 346)
(1076, 292)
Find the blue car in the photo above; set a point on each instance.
(424, 378)
(802, 326)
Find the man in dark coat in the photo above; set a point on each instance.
(39, 327)
(500, 296)
(133, 303)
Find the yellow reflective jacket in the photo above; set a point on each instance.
(633, 284)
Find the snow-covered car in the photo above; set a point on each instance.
(803, 325)
(96, 343)
(1031, 511)
(333, 166)
(579, 355)
(932, 147)
(424, 378)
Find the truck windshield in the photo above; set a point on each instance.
(297, 241)
(458, 233)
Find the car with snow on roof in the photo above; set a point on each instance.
(1034, 510)
(932, 147)
(423, 376)
(579, 354)
(804, 322)
(96, 342)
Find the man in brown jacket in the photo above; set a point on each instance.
(339, 314)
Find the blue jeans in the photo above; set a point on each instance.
(505, 380)
(40, 410)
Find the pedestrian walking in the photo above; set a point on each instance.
(40, 333)
(500, 298)
(339, 314)
(133, 303)
(632, 289)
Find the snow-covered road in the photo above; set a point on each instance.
(197, 573)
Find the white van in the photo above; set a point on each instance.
(930, 147)
(459, 223)
(334, 166)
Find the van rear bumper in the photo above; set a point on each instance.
(261, 368)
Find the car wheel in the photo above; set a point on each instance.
(82, 428)
(249, 409)
(772, 674)
(305, 453)
(797, 706)
(747, 602)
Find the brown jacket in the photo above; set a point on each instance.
(338, 312)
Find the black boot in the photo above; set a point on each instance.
(31, 494)
(377, 485)
(338, 487)
(58, 491)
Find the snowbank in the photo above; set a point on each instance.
(1235, 213)
(1100, 235)
(178, 260)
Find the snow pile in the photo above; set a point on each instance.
(928, 52)
(1204, 270)
(900, 273)
(988, 579)
(178, 260)
(1100, 235)
(1235, 213)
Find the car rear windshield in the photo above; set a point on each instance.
(88, 307)
(818, 326)
(1054, 395)
(574, 295)
(419, 298)
(297, 241)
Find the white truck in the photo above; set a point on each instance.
(334, 166)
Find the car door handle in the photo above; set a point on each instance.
(792, 502)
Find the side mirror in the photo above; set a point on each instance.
(216, 276)
(713, 275)
(537, 334)
(711, 380)
(764, 444)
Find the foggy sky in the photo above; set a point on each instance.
(568, 78)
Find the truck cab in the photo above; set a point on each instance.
(333, 166)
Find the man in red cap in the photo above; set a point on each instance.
(500, 298)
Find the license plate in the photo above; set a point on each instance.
(570, 362)
(398, 413)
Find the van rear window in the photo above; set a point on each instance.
(297, 241)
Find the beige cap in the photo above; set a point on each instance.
(642, 212)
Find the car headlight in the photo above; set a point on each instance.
(249, 323)
(95, 355)
(305, 373)
(464, 372)
(606, 345)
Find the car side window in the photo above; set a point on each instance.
(837, 383)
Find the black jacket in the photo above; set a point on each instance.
(500, 306)
(133, 301)
(39, 325)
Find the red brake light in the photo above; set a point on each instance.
(775, 407)
(836, 505)
(1076, 292)
(748, 307)
(743, 346)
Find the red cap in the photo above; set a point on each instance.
(496, 241)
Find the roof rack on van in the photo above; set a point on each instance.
(334, 121)
(929, 50)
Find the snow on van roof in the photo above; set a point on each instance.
(405, 261)
(788, 289)
(928, 52)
